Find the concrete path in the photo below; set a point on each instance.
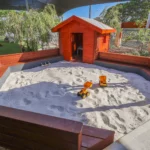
(138, 139)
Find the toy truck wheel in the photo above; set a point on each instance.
(87, 94)
(78, 93)
(83, 96)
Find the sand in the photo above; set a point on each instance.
(122, 106)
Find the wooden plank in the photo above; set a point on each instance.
(45, 140)
(12, 147)
(80, 141)
(44, 125)
(39, 119)
(97, 132)
(96, 139)
(18, 143)
(39, 130)
(21, 144)
(83, 148)
(19, 130)
(91, 142)
(107, 142)
(2, 70)
(51, 131)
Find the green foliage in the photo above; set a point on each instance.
(31, 27)
(139, 53)
(4, 13)
(113, 16)
(142, 37)
(130, 11)
(136, 53)
(144, 53)
(128, 38)
(135, 10)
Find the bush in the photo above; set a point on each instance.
(136, 53)
(144, 53)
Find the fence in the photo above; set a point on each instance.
(128, 59)
(27, 56)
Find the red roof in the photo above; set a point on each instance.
(93, 24)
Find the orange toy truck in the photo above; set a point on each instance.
(84, 93)
(102, 81)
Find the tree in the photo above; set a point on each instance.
(135, 11)
(112, 16)
(31, 28)
(142, 37)
(130, 11)
(4, 13)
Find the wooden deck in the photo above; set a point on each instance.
(96, 139)
(22, 130)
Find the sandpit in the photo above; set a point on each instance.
(122, 106)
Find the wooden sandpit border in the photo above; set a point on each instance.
(21, 130)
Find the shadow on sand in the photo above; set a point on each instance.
(51, 91)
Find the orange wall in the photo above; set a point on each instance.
(96, 49)
(93, 42)
(135, 60)
(60, 44)
(89, 51)
(102, 43)
(88, 41)
(27, 56)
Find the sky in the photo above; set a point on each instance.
(84, 11)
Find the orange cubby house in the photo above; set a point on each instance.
(82, 38)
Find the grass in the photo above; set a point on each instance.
(9, 48)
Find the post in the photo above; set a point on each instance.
(148, 21)
(148, 26)
(90, 10)
(27, 5)
(118, 39)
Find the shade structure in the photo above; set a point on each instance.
(61, 5)
(21, 4)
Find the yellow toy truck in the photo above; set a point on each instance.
(84, 92)
(102, 81)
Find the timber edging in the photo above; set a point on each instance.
(22, 130)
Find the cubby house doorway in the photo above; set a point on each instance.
(77, 46)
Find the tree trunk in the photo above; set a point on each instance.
(118, 39)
